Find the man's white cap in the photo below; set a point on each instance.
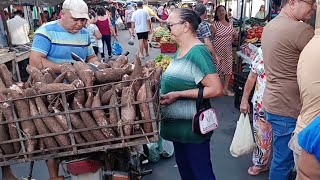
(77, 8)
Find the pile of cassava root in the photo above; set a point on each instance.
(117, 82)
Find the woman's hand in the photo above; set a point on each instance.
(169, 98)
(218, 58)
(244, 106)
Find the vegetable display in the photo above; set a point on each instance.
(52, 116)
(163, 61)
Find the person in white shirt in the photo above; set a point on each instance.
(160, 11)
(141, 23)
(18, 29)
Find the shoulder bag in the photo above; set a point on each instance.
(205, 120)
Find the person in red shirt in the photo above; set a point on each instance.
(106, 29)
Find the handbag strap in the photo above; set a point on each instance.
(199, 102)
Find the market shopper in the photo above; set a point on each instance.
(165, 13)
(261, 14)
(224, 35)
(283, 39)
(192, 64)
(160, 11)
(114, 16)
(106, 29)
(141, 24)
(128, 16)
(204, 33)
(309, 160)
(18, 29)
(94, 33)
(309, 90)
(262, 129)
(54, 42)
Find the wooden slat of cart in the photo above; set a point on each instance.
(7, 57)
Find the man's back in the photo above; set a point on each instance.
(141, 19)
(283, 40)
(308, 82)
(19, 30)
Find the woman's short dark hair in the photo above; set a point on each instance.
(101, 11)
(216, 18)
(191, 17)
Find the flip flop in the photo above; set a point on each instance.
(255, 170)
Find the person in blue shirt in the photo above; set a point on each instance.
(309, 160)
(53, 43)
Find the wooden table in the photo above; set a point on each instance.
(14, 57)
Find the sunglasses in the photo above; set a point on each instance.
(170, 25)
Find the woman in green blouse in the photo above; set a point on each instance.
(192, 64)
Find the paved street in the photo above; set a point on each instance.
(225, 166)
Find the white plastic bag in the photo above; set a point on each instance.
(100, 45)
(242, 142)
(131, 42)
(119, 21)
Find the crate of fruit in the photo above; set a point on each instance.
(168, 48)
(113, 107)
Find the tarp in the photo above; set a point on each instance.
(32, 2)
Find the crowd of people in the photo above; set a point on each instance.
(285, 109)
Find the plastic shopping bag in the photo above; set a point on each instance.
(100, 45)
(117, 48)
(242, 142)
(119, 21)
(131, 42)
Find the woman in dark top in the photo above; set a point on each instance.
(106, 29)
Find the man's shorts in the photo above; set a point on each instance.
(143, 35)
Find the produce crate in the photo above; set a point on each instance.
(76, 147)
(168, 48)
(158, 39)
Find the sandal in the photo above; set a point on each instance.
(255, 170)
(228, 93)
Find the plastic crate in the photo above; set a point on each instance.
(168, 48)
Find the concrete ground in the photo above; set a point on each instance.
(225, 166)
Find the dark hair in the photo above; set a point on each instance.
(140, 4)
(216, 18)
(200, 9)
(191, 17)
(18, 12)
(101, 11)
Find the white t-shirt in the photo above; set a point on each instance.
(19, 30)
(160, 10)
(141, 20)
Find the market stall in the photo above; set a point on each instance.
(164, 40)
